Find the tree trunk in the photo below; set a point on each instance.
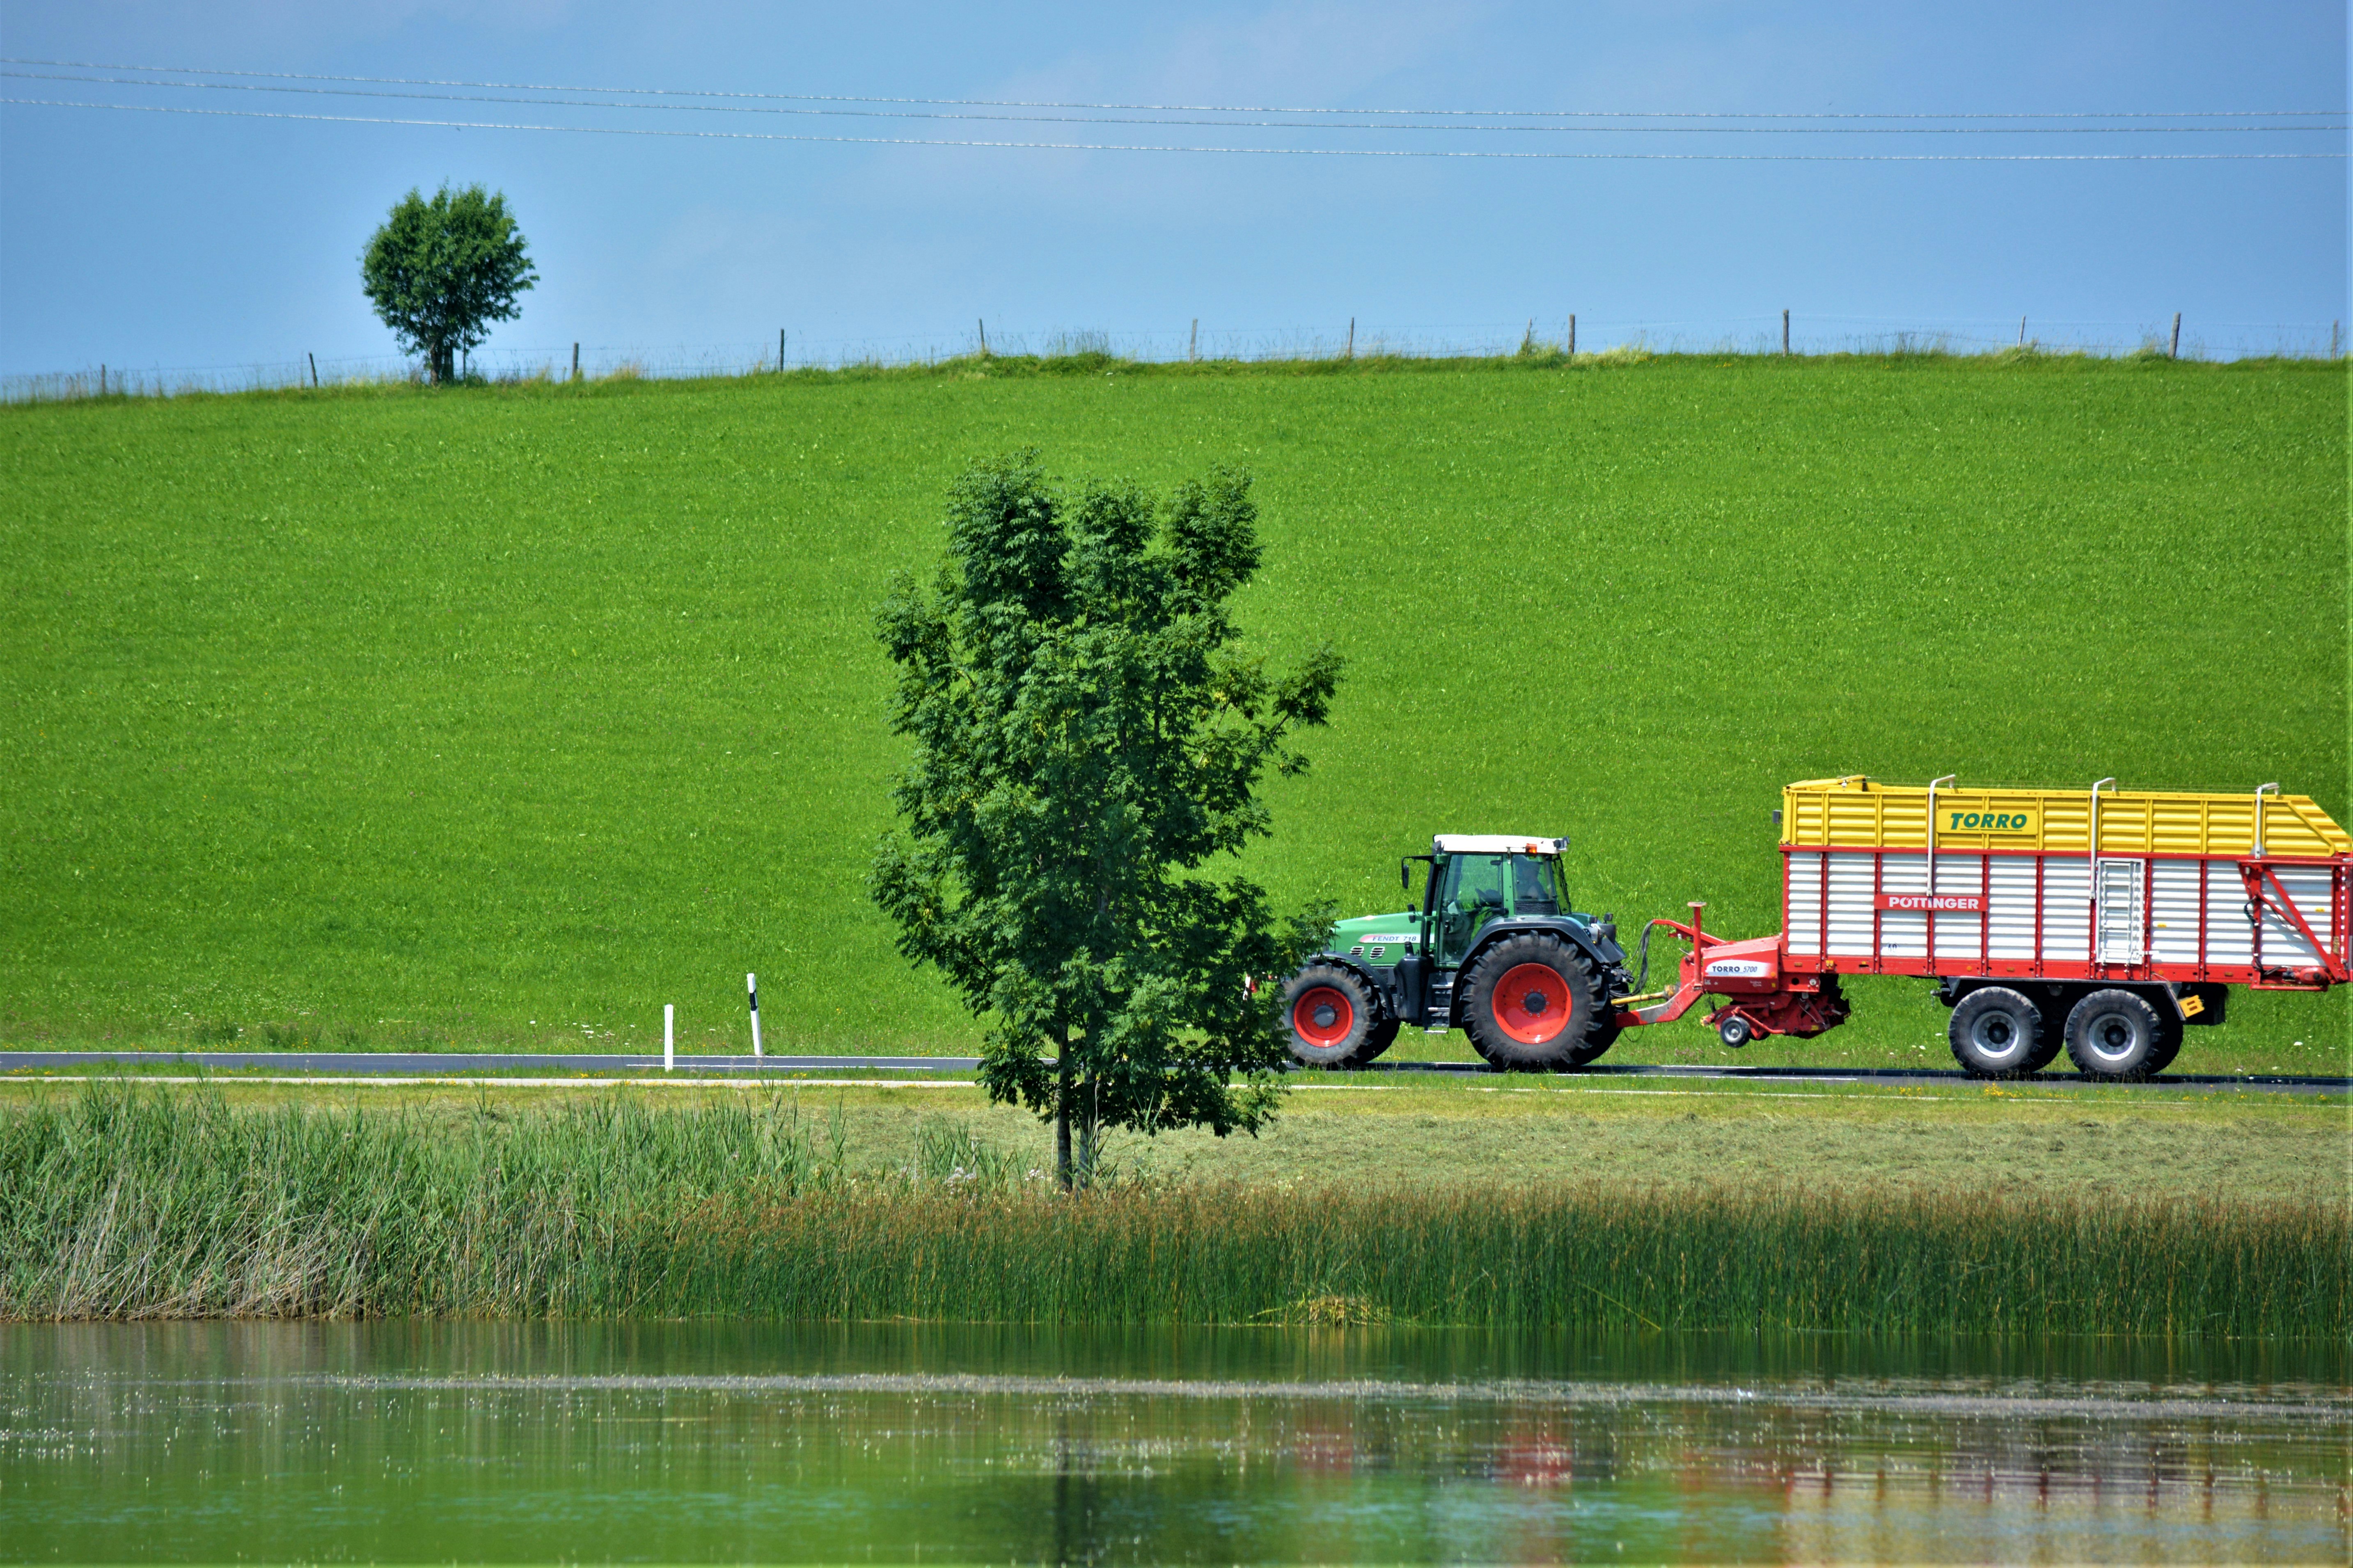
(1063, 1112)
(1087, 1131)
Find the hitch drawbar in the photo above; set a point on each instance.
(1758, 996)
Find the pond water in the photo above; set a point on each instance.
(751, 1442)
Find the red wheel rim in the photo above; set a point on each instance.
(1316, 999)
(1532, 1002)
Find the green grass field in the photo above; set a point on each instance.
(505, 716)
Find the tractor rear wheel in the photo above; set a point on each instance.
(1534, 1005)
(1333, 1017)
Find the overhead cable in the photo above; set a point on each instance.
(1586, 130)
(1179, 108)
(1144, 147)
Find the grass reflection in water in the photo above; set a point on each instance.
(742, 1442)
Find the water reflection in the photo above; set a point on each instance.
(703, 1442)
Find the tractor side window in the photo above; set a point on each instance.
(1473, 896)
(1478, 882)
(1533, 888)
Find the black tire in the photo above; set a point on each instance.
(1735, 1033)
(1384, 1036)
(2047, 1048)
(1997, 1032)
(2115, 1034)
(1332, 1017)
(1515, 1032)
(2168, 1035)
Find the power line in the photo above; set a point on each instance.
(1143, 147)
(1245, 124)
(1172, 107)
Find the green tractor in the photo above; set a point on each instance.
(1494, 950)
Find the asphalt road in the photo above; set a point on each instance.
(439, 1064)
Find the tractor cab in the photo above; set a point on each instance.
(1476, 880)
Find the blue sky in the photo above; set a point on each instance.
(168, 240)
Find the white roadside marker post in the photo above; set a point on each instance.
(669, 1014)
(751, 989)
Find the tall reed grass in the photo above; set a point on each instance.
(130, 1203)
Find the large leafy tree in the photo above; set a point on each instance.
(1087, 740)
(440, 271)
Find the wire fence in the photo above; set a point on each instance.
(1775, 334)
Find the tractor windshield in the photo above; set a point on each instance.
(1535, 889)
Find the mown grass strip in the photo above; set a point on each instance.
(131, 1204)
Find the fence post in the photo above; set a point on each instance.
(1352, 337)
(315, 368)
(752, 990)
(780, 350)
(2021, 331)
(576, 362)
(2174, 350)
(1572, 334)
(2332, 338)
(984, 335)
(1785, 331)
(1193, 344)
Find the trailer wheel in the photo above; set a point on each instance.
(1333, 1016)
(1734, 1032)
(1534, 1005)
(2114, 1034)
(1996, 1033)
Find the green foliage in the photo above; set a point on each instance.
(136, 1206)
(440, 271)
(505, 717)
(1085, 734)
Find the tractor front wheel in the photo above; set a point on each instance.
(1534, 1005)
(1333, 1018)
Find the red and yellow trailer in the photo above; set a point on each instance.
(2101, 918)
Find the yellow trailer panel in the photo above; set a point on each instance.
(1862, 813)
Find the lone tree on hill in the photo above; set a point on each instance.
(1085, 735)
(441, 272)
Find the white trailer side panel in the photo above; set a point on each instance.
(2066, 912)
(1903, 933)
(1802, 914)
(1851, 880)
(2010, 915)
(1959, 936)
(2177, 889)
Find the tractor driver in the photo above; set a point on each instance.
(1476, 897)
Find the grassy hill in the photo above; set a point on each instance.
(507, 715)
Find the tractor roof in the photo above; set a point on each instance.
(1495, 844)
